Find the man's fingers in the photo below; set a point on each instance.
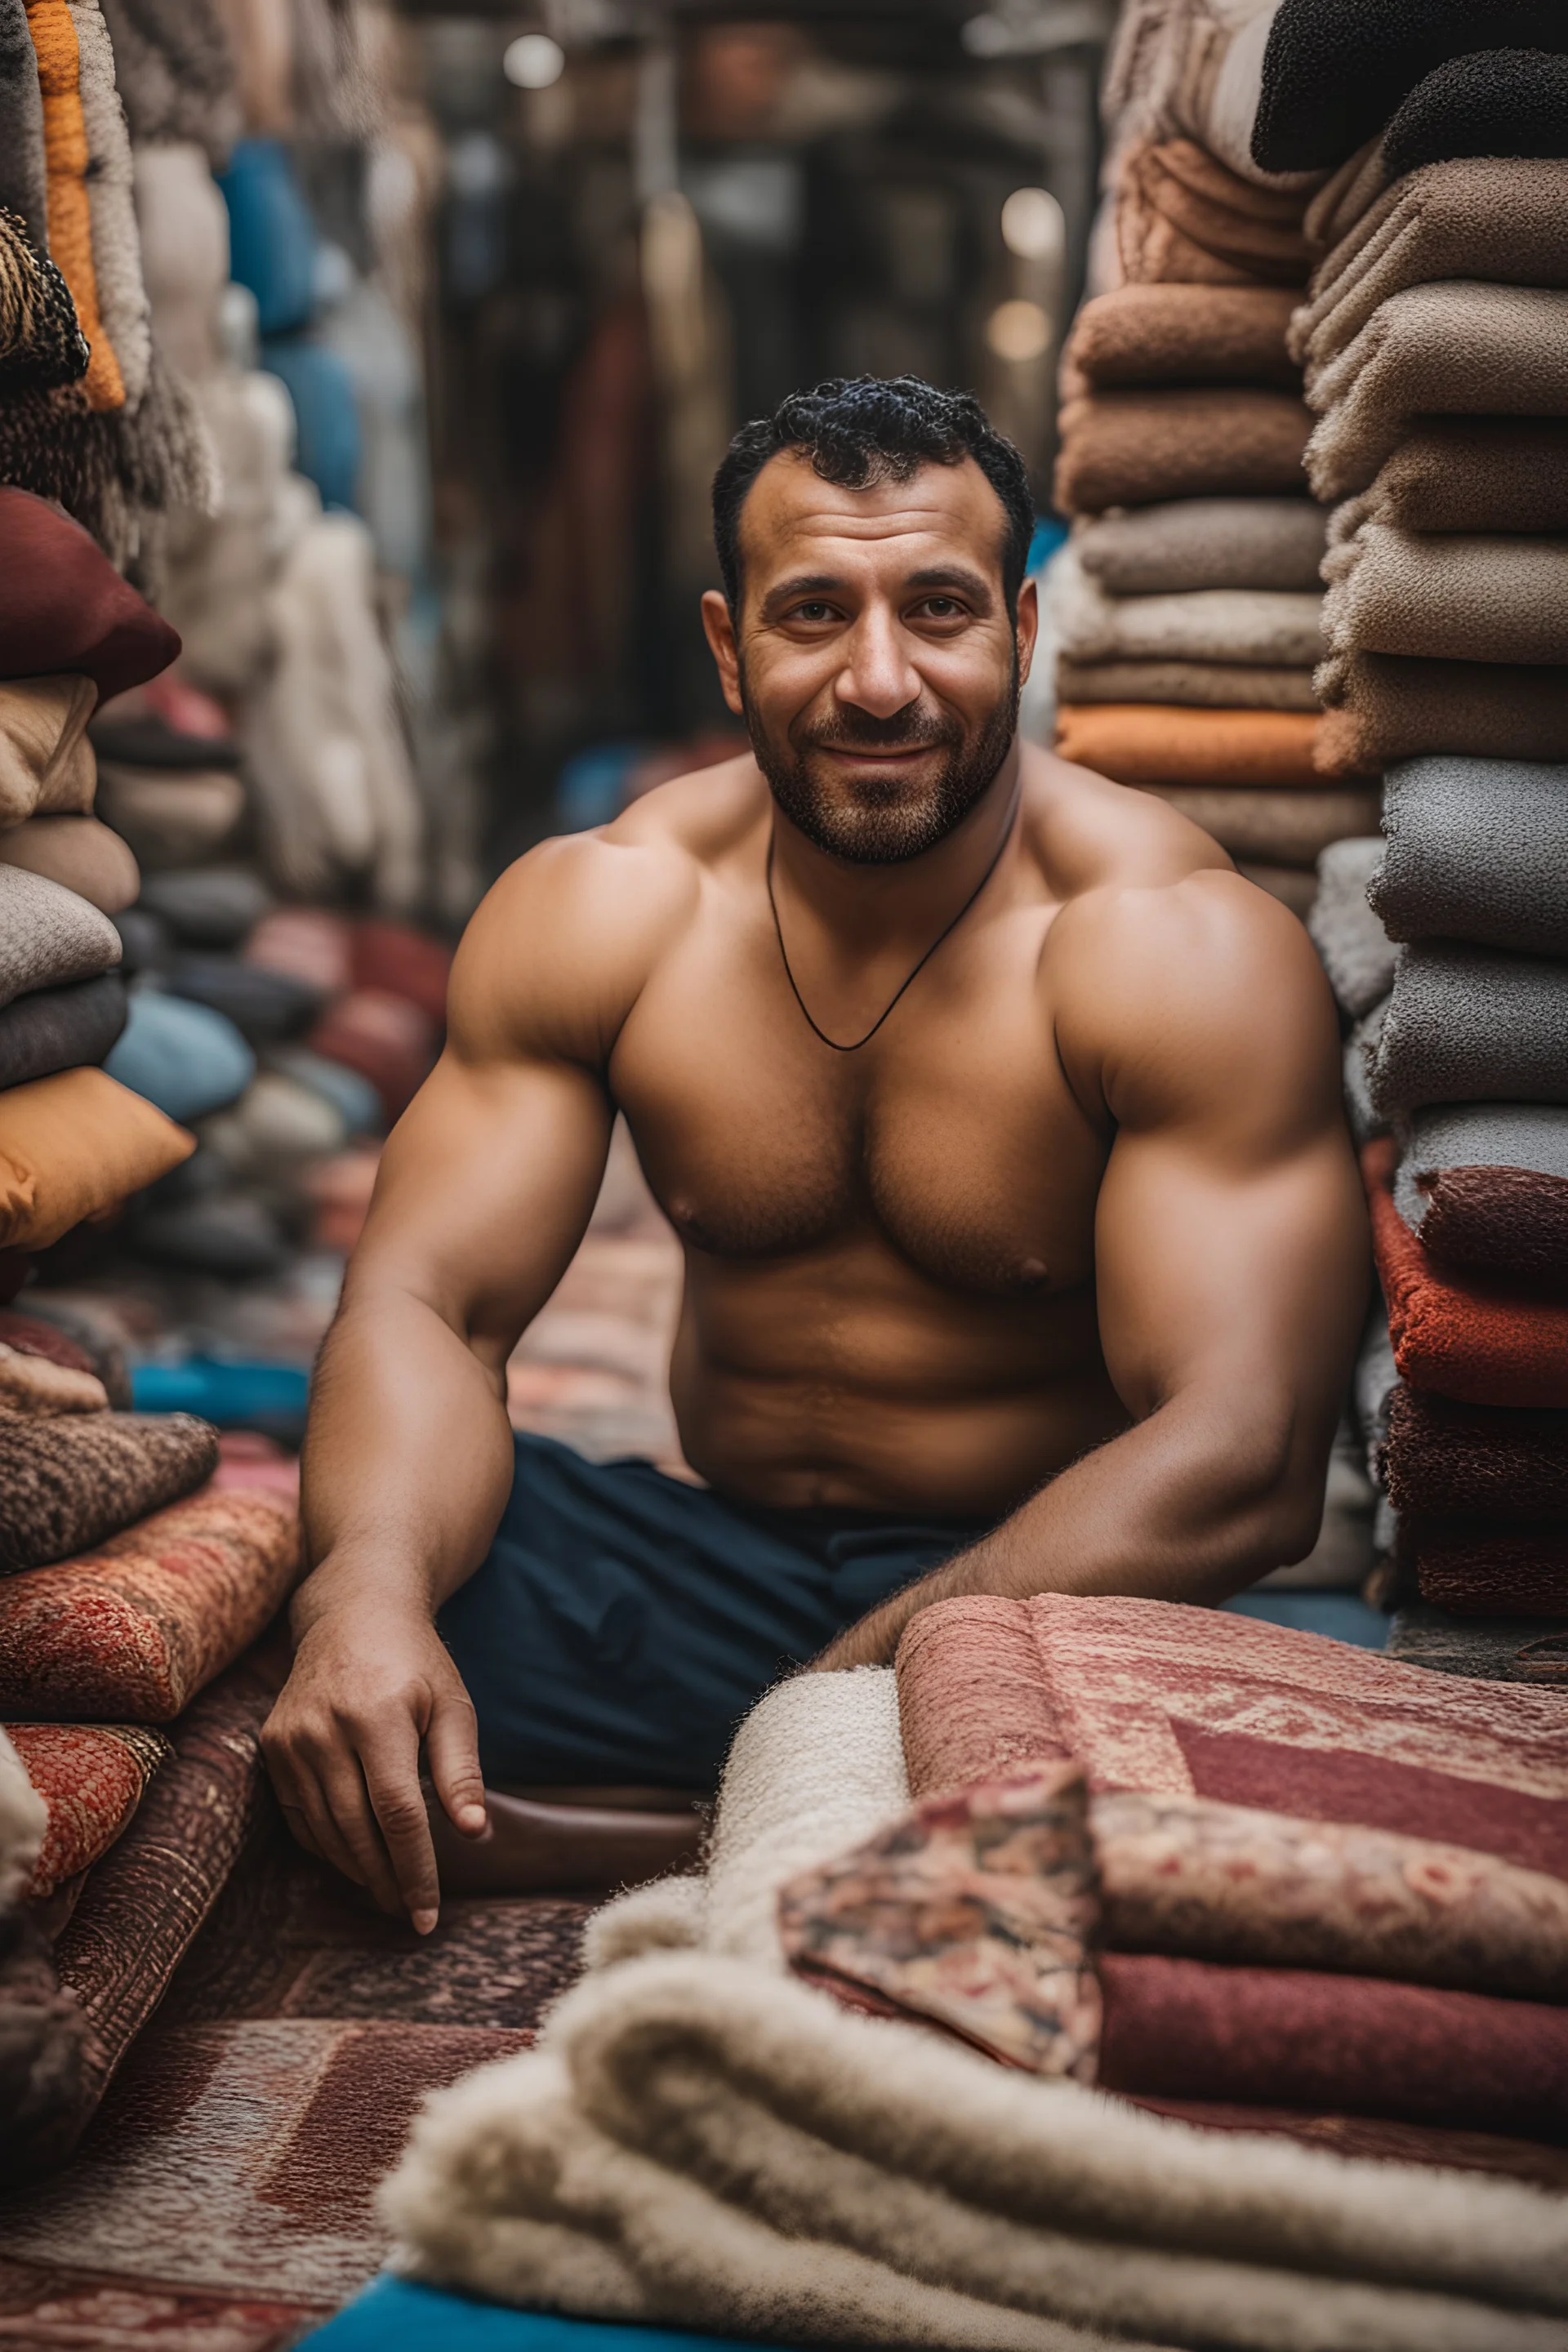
(354, 1818)
(398, 1804)
(452, 1748)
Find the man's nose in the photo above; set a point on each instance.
(879, 675)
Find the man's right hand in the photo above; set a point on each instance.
(342, 1746)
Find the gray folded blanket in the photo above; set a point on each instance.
(1357, 954)
(1383, 707)
(1456, 348)
(1196, 543)
(1485, 1187)
(1476, 850)
(1467, 473)
(1468, 1025)
(1275, 628)
(1207, 686)
(1497, 218)
(1458, 597)
(48, 936)
(54, 1029)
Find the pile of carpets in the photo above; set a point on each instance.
(1185, 611)
(1146, 1857)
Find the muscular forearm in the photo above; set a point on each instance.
(1191, 1505)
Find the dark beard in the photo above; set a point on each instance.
(882, 825)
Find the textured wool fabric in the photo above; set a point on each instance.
(46, 763)
(1278, 828)
(384, 1037)
(187, 1058)
(111, 206)
(1334, 70)
(171, 820)
(74, 1481)
(48, 936)
(1161, 743)
(1466, 1336)
(1357, 952)
(1486, 1186)
(1455, 349)
(1469, 473)
(1207, 686)
(60, 1028)
(1182, 215)
(75, 1146)
(1459, 598)
(1193, 69)
(215, 906)
(1469, 1024)
(1475, 850)
(1142, 334)
(41, 345)
(1387, 707)
(63, 606)
(1275, 630)
(1501, 101)
(1477, 1462)
(1204, 543)
(68, 161)
(79, 853)
(134, 1628)
(23, 191)
(91, 1777)
(31, 1382)
(1130, 449)
(175, 72)
(1477, 1569)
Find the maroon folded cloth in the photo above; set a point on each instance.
(1508, 1221)
(404, 962)
(1474, 1568)
(64, 608)
(1475, 1461)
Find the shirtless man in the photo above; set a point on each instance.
(998, 1117)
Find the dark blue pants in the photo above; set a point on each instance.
(623, 1621)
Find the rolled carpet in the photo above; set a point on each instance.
(1130, 449)
(1204, 543)
(1281, 828)
(1272, 630)
(1140, 334)
(74, 1146)
(1477, 1462)
(48, 936)
(1476, 851)
(1477, 1569)
(187, 1058)
(1470, 1025)
(46, 763)
(91, 1777)
(1460, 348)
(60, 1028)
(1207, 686)
(1468, 1338)
(1485, 1187)
(1461, 597)
(73, 1482)
(1181, 215)
(1386, 707)
(1469, 473)
(134, 1628)
(79, 853)
(1357, 954)
(1166, 743)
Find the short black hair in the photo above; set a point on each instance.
(858, 430)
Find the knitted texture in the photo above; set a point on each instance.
(1163, 743)
(73, 1481)
(1469, 1024)
(175, 73)
(1275, 630)
(23, 180)
(1141, 334)
(67, 160)
(60, 1028)
(1477, 1462)
(1462, 598)
(1476, 849)
(77, 853)
(41, 345)
(1129, 448)
(91, 1777)
(1189, 543)
(1181, 215)
(75, 1146)
(1492, 101)
(1477, 1569)
(111, 206)
(1210, 686)
(1486, 1186)
(1469, 473)
(1387, 707)
(47, 935)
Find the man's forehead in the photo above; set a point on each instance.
(789, 505)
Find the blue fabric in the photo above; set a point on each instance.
(325, 412)
(395, 2316)
(183, 1056)
(623, 1621)
(1339, 1614)
(272, 237)
(336, 1083)
(232, 1395)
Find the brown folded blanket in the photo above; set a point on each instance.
(1147, 334)
(79, 853)
(1493, 217)
(1472, 1461)
(1281, 828)
(1187, 543)
(1129, 448)
(1181, 215)
(1272, 628)
(1205, 686)
(1476, 1569)
(70, 1481)
(1469, 473)
(1485, 1187)
(46, 760)
(1161, 743)
(1455, 598)
(74, 1146)
(1386, 707)
(1452, 349)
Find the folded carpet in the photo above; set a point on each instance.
(60, 1028)
(1469, 473)
(79, 853)
(135, 1627)
(1204, 543)
(1485, 1187)
(64, 608)
(1461, 597)
(1478, 216)
(46, 760)
(187, 1058)
(1477, 1568)
(1384, 706)
(74, 1481)
(176, 819)
(1335, 70)
(1130, 449)
(1467, 1337)
(91, 1777)
(1142, 334)
(1163, 743)
(1207, 686)
(48, 936)
(1357, 952)
(1471, 1024)
(1281, 828)
(1476, 849)
(1181, 215)
(73, 1147)
(1272, 629)
(1457, 347)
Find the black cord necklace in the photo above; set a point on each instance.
(904, 985)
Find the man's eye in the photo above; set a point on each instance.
(814, 612)
(942, 608)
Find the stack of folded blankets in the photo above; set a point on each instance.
(1435, 340)
(1185, 611)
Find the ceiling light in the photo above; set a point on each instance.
(533, 61)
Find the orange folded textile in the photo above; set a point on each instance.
(73, 1147)
(1130, 449)
(1181, 215)
(1181, 334)
(1464, 1337)
(1169, 743)
(66, 162)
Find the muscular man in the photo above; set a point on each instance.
(999, 1121)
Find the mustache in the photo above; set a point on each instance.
(909, 729)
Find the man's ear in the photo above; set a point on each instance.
(1028, 627)
(718, 625)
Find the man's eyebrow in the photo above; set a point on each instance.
(952, 575)
(805, 583)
